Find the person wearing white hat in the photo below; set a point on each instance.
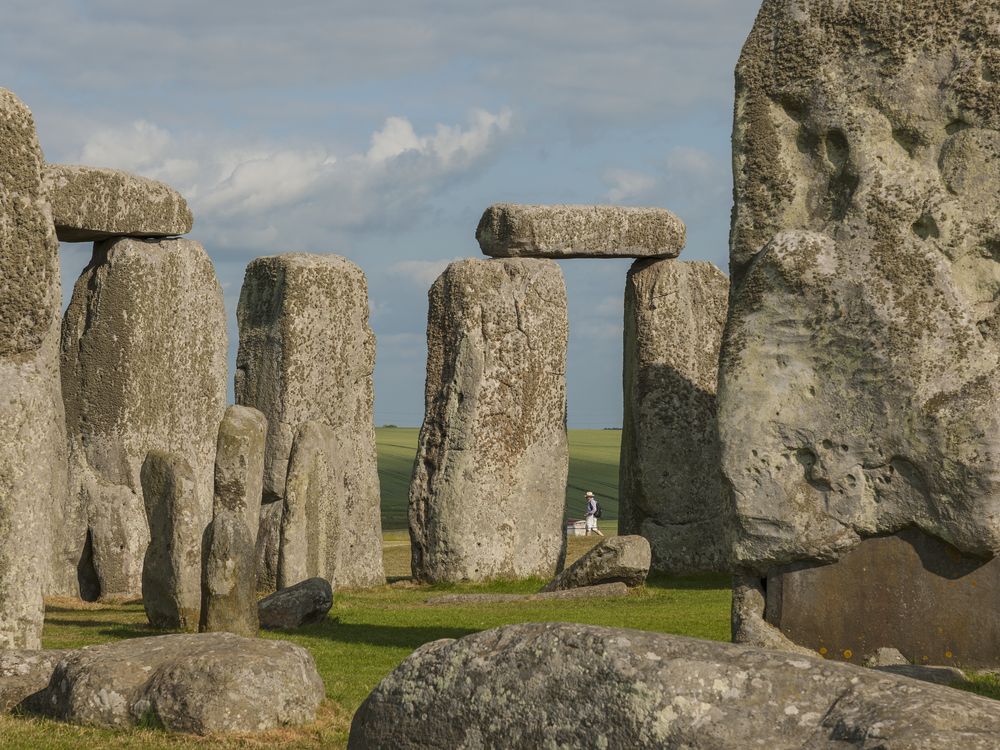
(592, 514)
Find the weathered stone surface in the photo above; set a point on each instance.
(143, 369)
(620, 559)
(600, 591)
(489, 482)
(670, 484)
(307, 354)
(312, 519)
(858, 390)
(268, 547)
(304, 603)
(239, 464)
(749, 628)
(91, 204)
(33, 463)
(936, 675)
(229, 584)
(560, 685)
(23, 674)
(171, 569)
(909, 590)
(886, 657)
(509, 231)
(198, 684)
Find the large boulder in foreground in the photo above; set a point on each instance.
(23, 675)
(489, 482)
(560, 685)
(620, 559)
(198, 684)
(306, 354)
(90, 204)
(304, 603)
(670, 484)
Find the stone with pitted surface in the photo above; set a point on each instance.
(90, 204)
(620, 559)
(239, 464)
(23, 675)
(489, 483)
(305, 603)
(307, 354)
(670, 484)
(859, 381)
(229, 583)
(509, 230)
(561, 685)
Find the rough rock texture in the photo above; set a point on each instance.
(33, 463)
(268, 547)
(23, 674)
(670, 484)
(749, 627)
(302, 604)
(171, 570)
(620, 559)
(143, 369)
(229, 584)
(489, 482)
(239, 464)
(198, 684)
(601, 591)
(307, 354)
(886, 657)
(510, 231)
(858, 390)
(936, 675)
(312, 517)
(91, 204)
(565, 685)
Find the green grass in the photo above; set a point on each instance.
(593, 465)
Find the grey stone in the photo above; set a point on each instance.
(305, 603)
(950, 676)
(229, 584)
(307, 354)
(859, 374)
(198, 684)
(239, 464)
(620, 559)
(886, 657)
(34, 505)
(599, 591)
(561, 685)
(749, 628)
(669, 480)
(509, 231)
(91, 204)
(489, 482)
(23, 675)
(268, 548)
(143, 369)
(312, 518)
(171, 570)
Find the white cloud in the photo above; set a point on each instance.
(423, 273)
(627, 185)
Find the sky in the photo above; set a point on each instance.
(381, 130)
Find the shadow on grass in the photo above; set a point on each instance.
(387, 636)
(708, 581)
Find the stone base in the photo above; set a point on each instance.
(909, 591)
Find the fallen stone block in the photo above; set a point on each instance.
(562, 685)
(508, 230)
(620, 559)
(304, 603)
(600, 591)
(90, 204)
(23, 675)
(199, 684)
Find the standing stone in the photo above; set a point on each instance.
(239, 464)
(143, 369)
(307, 354)
(670, 484)
(858, 387)
(229, 584)
(312, 517)
(489, 483)
(171, 570)
(33, 464)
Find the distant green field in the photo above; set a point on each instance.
(593, 465)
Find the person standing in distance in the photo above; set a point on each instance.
(592, 515)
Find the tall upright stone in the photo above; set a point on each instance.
(33, 462)
(239, 464)
(489, 482)
(171, 571)
(307, 354)
(859, 386)
(670, 486)
(228, 584)
(312, 518)
(143, 369)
